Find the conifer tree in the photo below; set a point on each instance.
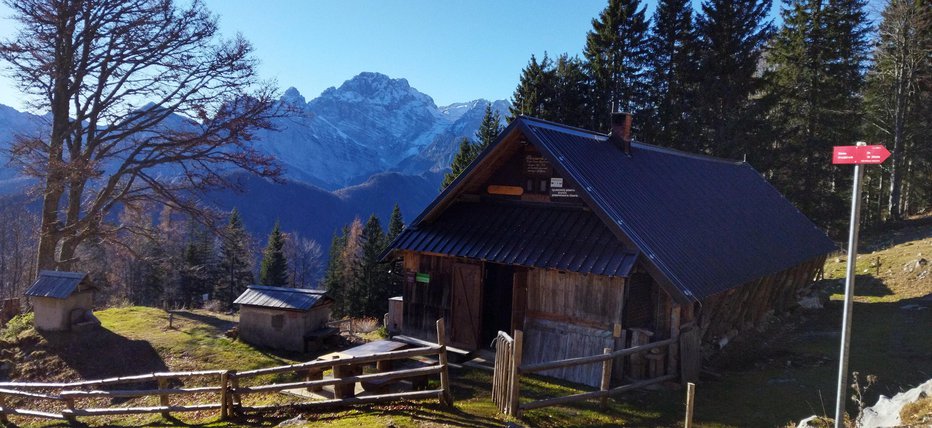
(570, 103)
(274, 267)
(464, 156)
(334, 281)
(489, 128)
(199, 270)
(672, 76)
(616, 53)
(395, 224)
(899, 104)
(731, 36)
(816, 67)
(235, 262)
(535, 90)
(373, 288)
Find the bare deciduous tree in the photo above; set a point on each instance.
(147, 104)
(305, 259)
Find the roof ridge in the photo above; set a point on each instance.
(286, 289)
(640, 144)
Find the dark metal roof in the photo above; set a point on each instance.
(300, 299)
(569, 239)
(56, 284)
(708, 224)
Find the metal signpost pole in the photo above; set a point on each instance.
(840, 399)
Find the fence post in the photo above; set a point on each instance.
(3, 417)
(606, 378)
(69, 415)
(163, 398)
(342, 390)
(690, 402)
(515, 386)
(224, 394)
(446, 397)
(235, 399)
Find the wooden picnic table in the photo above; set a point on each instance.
(378, 346)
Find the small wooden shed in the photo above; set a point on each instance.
(61, 299)
(584, 241)
(281, 317)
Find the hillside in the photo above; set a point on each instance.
(782, 374)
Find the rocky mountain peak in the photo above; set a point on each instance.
(292, 96)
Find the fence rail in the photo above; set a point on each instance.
(506, 378)
(226, 384)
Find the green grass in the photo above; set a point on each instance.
(769, 379)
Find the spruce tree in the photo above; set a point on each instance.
(199, 269)
(533, 95)
(489, 129)
(334, 281)
(373, 289)
(731, 36)
(816, 76)
(570, 103)
(616, 53)
(464, 156)
(235, 262)
(672, 76)
(274, 267)
(899, 105)
(395, 224)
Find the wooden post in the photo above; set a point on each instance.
(224, 394)
(673, 354)
(3, 417)
(163, 385)
(235, 398)
(446, 397)
(515, 386)
(690, 402)
(618, 337)
(314, 374)
(343, 390)
(606, 378)
(69, 416)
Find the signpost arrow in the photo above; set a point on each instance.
(858, 155)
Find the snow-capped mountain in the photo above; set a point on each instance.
(370, 124)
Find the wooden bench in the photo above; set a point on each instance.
(315, 339)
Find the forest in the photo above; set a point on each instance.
(722, 80)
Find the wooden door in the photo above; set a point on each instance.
(518, 300)
(467, 306)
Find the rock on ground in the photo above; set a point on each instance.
(886, 413)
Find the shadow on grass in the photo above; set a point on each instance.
(220, 324)
(84, 351)
(865, 285)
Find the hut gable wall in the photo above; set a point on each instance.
(275, 328)
(524, 174)
(53, 314)
(571, 315)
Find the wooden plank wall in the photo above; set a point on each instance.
(571, 315)
(742, 308)
(424, 304)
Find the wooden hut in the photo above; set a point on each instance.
(61, 300)
(282, 318)
(586, 241)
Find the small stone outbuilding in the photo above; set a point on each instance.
(62, 300)
(280, 317)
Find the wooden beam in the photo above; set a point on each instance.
(495, 189)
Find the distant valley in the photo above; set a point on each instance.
(356, 149)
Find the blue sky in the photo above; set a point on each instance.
(452, 51)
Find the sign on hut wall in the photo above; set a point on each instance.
(559, 190)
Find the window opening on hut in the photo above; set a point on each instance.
(278, 322)
(497, 301)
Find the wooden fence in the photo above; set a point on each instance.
(226, 384)
(508, 370)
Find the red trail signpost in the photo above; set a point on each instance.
(858, 155)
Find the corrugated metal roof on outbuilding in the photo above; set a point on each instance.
(708, 224)
(281, 297)
(55, 284)
(570, 239)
